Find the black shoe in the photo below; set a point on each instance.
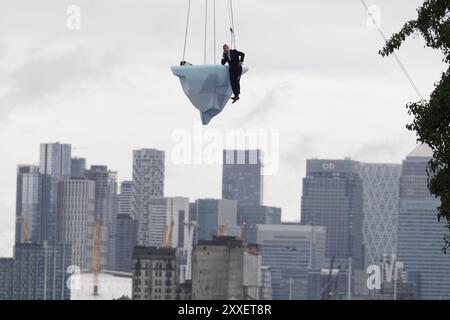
(235, 99)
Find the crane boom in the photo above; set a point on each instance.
(25, 229)
(96, 255)
(167, 239)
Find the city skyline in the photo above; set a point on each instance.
(285, 217)
(126, 89)
(333, 203)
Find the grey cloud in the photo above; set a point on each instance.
(375, 151)
(3, 50)
(44, 76)
(267, 103)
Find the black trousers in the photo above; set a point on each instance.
(235, 79)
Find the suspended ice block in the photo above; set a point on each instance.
(207, 87)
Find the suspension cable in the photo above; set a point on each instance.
(232, 23)
(215, 44)
(186, 32)
(206, 30)
(230, 13)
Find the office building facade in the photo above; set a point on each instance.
(290, 250)
(242, 178)
(28, 204)
(210, 214)
(420, 235)
(77, 219)
(251, 216)
(381, 185)
(333, 198)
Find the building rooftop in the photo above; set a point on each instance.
(144, 252)
(421, 151)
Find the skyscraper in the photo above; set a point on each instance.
(251, 216)
(242, 178)
(77, 215)
(333, 198)
(148, 182)
(77, 168)
(125, 198)
(55, 165)
(381, 195)
(6, 278)
(162, 213)
(39, 271)
(105, 210)
(28, 209)
(126, 239)
(289, 250)
(55, 160)
(210, 214)
(126, 228)
(420, 235)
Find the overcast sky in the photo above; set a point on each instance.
(315, 75)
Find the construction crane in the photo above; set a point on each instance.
(222, 231)
(96, 256)
(167, 239)
(25, 230)
(241, 232)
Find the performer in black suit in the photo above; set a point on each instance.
(235, 59)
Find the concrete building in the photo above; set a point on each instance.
(420, 235)
(210, 214)
(28, 204)
(242, 178)
(225, 268)
(290, 250)
(105, 210)
(381, 185)
(154, 273)
(77, 219)
(333, 198)
(148, 182)
(126, 238)
(254, 215)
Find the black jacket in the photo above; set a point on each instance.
(237, 58)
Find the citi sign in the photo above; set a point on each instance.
(328, 166)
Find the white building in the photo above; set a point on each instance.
(77, 209)
(162, 212)
(111, 286)
(148, 182)
(381, 185)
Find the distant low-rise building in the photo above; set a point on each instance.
(154, 273)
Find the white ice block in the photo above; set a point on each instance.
(207, 87)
